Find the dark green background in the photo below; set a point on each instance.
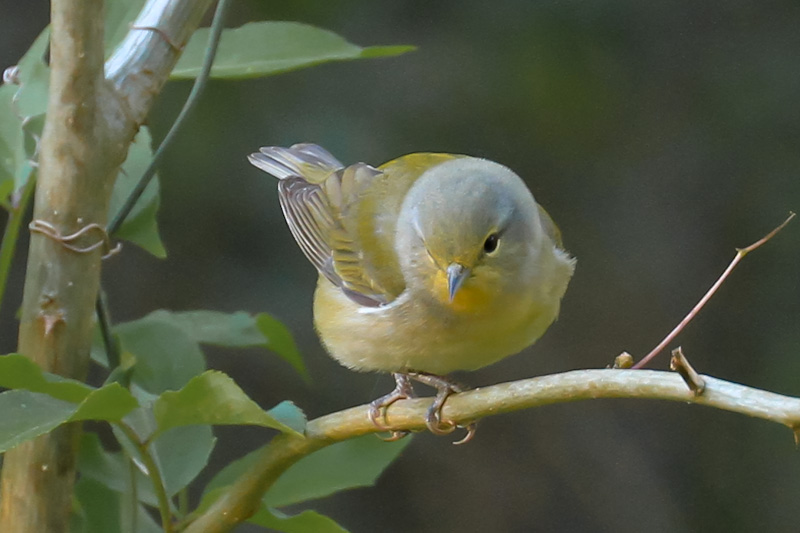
(660, 135)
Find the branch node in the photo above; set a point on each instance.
(622, 361)
(681, 365)
(70, 241)
(11, 75)
(164, 35)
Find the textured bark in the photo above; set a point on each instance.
(90, 124)
(60, 287)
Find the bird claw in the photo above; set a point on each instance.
(378, 408)
(471, 428)
(433, 418)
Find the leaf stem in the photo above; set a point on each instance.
(11, 234)
(183, 501)
(154, 474)
(134, 496)
(104, 323)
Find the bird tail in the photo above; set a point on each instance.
(308, 161)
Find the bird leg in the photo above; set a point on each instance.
(377, 408)
(433, 419)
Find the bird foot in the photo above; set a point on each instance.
(377, 408)
(433, 418)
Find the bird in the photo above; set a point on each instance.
(428, 264)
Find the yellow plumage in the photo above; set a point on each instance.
(429, 264)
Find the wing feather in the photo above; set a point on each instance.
(320, 201)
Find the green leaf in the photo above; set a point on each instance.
(26, 151)
(41, 402)
(140, 226)
(22, 111)
(280, 341)
(288, 413)
(112, 469)
(165, 357)
(214, 327)
(180, 454)
(237, 329)
(19, 372)
(10, 136)
(110, 403)
(264, 48)
(100, 507)
(305, 522)
(341, 466)
(26, 415)
(106, 511)
(211, 398)
(34, 76)
(230, 473)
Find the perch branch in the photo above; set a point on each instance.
(243, 498)
(740, 253)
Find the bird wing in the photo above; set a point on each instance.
(550, 227)
(321, 200)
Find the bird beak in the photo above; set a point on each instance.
(456, 275)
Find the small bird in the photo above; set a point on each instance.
(428, 264)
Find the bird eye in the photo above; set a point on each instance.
(490, 244)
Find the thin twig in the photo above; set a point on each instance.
(740, 253)
(681, 365)
(104, 323)
(154, 474)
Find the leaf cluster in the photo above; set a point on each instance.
(161, 400)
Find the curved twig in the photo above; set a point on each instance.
(244, 497)
(740, 253)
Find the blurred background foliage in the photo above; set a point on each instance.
(660, 135)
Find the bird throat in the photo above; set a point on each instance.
(470, 298)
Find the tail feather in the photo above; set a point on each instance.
(308, 161)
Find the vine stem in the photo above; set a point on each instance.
(740, 254)
(217, 25)
(101, 308)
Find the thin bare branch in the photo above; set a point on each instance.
(740, 253)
